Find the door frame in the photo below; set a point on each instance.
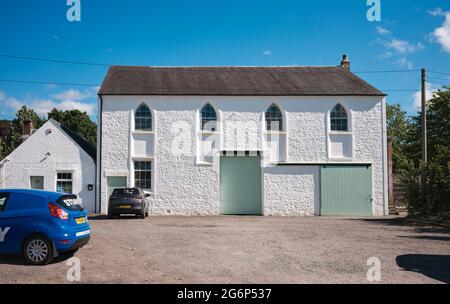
(224, 153)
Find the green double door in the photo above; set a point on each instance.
(240, 185)
(346, 190)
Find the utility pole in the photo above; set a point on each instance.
(424, 141)
(424, 118)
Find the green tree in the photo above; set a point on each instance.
(397, 128)
(431, 195)
(14, 137)
(78, 122)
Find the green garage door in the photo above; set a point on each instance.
(346, 190)
(240, 185)
(114, 182)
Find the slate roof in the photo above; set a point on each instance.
(237, 81)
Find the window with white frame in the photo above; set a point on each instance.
(274, 118)
(143, 118)
(143, 174)
(338, 119)
(208, 118)
(64, 182)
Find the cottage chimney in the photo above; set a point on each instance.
(345, 63)
(27, 129)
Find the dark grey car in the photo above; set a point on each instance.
(128, 201)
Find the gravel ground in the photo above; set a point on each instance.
(248, 250)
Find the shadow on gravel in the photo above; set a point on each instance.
(427, 237)
(13, 259)
(401, 221)
(397, 221)
(433, 266)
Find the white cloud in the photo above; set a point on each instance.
(43, 106)
(405, 63)
(382, 31)
(403, 47)
(267, 53)
(417, 96)
(72, 94)
(396, 49)
(442, 34)
(2, 96)
(436, 12)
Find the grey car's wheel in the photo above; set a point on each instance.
(38, 250)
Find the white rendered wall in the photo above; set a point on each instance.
(30, 159)
(184, 186)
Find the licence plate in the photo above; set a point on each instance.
(80, 220)
(125, 206)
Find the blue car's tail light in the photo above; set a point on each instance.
(58, 212)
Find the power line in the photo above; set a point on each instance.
(439, 78)
(442, 73)
(386, 71)
(54, 60)
(108, 65)
(47, 82)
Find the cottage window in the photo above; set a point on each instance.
(64, 182)
(339, 119)
(143, 118)
(274, 118)
(208, 118)
(143, 174)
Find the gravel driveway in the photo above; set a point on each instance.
(249, 250)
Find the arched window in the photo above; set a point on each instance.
(208, 118)
(274, 118)
(143, 118)
(338, 119)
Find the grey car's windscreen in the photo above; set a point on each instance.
(126, 191)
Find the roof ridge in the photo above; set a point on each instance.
(224, 66)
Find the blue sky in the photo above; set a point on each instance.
(411, 34)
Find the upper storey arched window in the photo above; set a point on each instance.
(143, 118)
(274, 118)
(208, 118)
(339, 119)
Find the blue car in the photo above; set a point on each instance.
(40, 225)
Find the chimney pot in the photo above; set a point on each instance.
(27, 129)
(345, 63)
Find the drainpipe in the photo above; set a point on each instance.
(99, 157)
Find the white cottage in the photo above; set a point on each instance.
(52, 158)
(244, 140)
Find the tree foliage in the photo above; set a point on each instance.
(428, 183)
(397, 128)
(11, 130)
(78, 122)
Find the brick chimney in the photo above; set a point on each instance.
(27, 129)
(345, 63)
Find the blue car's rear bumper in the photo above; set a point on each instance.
(71, 240)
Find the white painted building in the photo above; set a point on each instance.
(205, 141)
(52, 158)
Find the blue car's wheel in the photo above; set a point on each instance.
(38, 250)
